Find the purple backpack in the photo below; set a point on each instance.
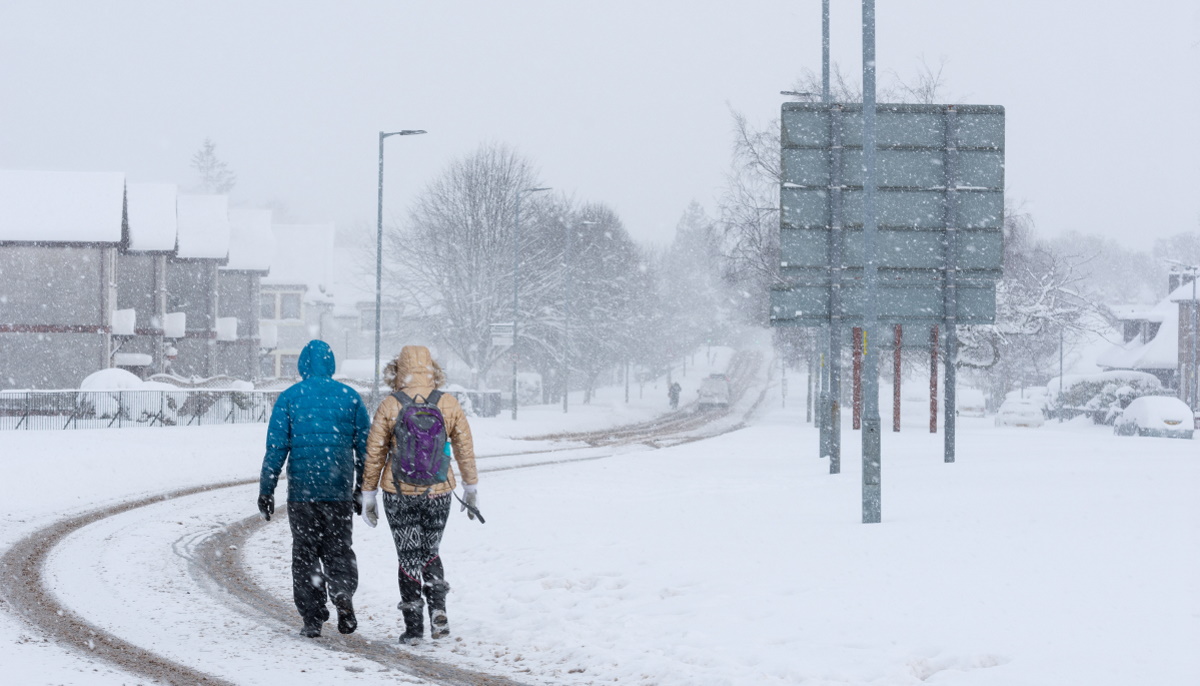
(418, 454)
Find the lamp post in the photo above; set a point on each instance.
(516, 281)
(569, 267)
(379, 258)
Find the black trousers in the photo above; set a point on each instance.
(323, 561)
(417, 523)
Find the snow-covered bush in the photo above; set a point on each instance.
(1104, 395)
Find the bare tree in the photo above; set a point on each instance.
(215, 174)
(454, 259)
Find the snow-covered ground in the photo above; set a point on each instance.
(1059, 555)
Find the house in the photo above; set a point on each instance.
(318, 289)
(296, 297)
(60, 233)
(251, 249)
(1153, 340)
(191, 276)
(140, 343)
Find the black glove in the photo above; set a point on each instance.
(358, 500)
(266, 505)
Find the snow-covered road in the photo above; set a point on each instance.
(1059, 555)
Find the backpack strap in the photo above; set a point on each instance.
(433, 397)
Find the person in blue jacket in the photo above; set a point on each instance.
(319, 428)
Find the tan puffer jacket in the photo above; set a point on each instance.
(415, 373)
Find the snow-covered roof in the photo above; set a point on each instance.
(203, 227)
(251, 242)
(1184, 292)
(62, 207)
(303, 256)
(1161, 351)
(152, 219)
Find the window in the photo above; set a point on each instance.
(289, 306)
(289, 366)
(267, 366)
(266, 309)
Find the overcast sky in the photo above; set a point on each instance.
(625, 102)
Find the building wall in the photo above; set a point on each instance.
(192, 289)
(141, 286)
(1189, 386)
(237, 296)
(55, 314)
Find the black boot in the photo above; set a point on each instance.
(312, 628)
(414, 621)
(413, 609)
(347, 622)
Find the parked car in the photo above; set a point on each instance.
(1020, 412)
(970, 402)
(1156, 415)
(714, 391)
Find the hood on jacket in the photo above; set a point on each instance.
(414, 367)
(316, 360)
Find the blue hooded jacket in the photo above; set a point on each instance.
(319, 427)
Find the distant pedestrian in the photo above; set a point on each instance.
(673, 393)
(408, 456)
(319, 428)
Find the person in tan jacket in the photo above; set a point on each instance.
(417, 512)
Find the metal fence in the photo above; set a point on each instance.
(111, 409)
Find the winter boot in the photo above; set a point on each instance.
(347, 622)
(414, 621)
(312, 628)
(435, 592)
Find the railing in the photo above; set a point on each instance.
(183, 407)
(111, 409)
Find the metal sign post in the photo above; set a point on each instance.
(926, 236)
(871, 458)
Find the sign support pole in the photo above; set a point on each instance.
(951, 276)
(871, 457)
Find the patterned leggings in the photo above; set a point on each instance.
(417, 523)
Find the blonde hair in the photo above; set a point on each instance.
(397, 376)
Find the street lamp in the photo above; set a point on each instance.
(568, 268)
(379, 259)
(516, 273)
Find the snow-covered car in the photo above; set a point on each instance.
(1020, 412)
(714, 391)
(1156, 415)
(970, 402)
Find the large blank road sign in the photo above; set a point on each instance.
(939, 207)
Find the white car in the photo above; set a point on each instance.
(1156, 415)
(714, 391)
(1020, 412)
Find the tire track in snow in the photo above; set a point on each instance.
(26, 594)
